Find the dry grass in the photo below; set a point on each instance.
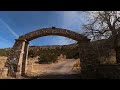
(2, 61)
(3, 70)
(76, 65)
(109, 60)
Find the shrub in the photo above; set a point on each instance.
(47, 57)
(4, 52)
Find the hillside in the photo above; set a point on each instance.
(5, 51)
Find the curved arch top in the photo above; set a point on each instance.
(53, 31)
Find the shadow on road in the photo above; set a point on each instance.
(55, 76)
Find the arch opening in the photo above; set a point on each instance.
(51, 40)
(59, 59)
(19, 52)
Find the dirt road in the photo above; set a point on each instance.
(62, 69)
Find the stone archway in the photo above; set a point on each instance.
(19, 52)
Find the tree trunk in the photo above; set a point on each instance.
(116, 45)
(117, 49)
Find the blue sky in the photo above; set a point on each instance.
(16, 23)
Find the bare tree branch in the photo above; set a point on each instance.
(102, 23)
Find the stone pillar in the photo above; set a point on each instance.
(14, 61)
(88, 60)
(21, 58)
(25, 56)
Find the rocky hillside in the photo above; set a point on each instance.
(37, 50)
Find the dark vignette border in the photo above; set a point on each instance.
(58, 5)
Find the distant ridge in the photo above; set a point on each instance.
(48, 46)
(56, 46)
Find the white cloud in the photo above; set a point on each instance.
(70, 20)
(63, 41)
(8, 27)
(5, 43)
(5, 40)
